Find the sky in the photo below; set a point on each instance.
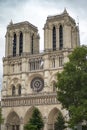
(36, 12)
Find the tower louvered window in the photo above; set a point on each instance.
(54, 38)
(32, 44)
(60, 37)
(21, 43)
(14, 45)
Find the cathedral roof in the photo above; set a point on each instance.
(59, 16)
(24, 23)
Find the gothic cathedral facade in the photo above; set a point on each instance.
(29, 76)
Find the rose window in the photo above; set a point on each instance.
(37, 84)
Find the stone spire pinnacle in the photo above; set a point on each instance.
(11, 22)
(65, 11)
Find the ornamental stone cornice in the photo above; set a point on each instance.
(53, 18)
(11, 58)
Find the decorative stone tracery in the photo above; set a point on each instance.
(13, 121)
(37, 84)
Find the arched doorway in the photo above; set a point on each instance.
(52, 118)
(13, 121)
(35, 115)
(28, 115)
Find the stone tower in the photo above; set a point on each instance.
(29, 76)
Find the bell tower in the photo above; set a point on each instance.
(21, 38)
(60, 32)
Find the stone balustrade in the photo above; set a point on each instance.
(28, 100)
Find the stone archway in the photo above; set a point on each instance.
(28, 115)
(52, 118)
(13, 121)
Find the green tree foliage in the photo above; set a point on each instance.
(1, 119)
(60, 122)
(72, 86)
(35, 122)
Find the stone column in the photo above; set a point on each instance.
(21, 124)
(3, 127)
(46, 38)
(46, 72)
(23, 87)
(29, 67)
(26, 41)
(64, 35)
(50, 38)
(45, 123)
(21, 127)
(66, 59)
(6, 44)
(46, 62)
(56, 62)
(10, 49)
(36, 38)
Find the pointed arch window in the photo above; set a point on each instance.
(54, 86)
(20, 43)
(13, 90)
(14, 44)
(60, 37)
(32, 44)
(54, 38)
(19, 90)
(61, 61)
